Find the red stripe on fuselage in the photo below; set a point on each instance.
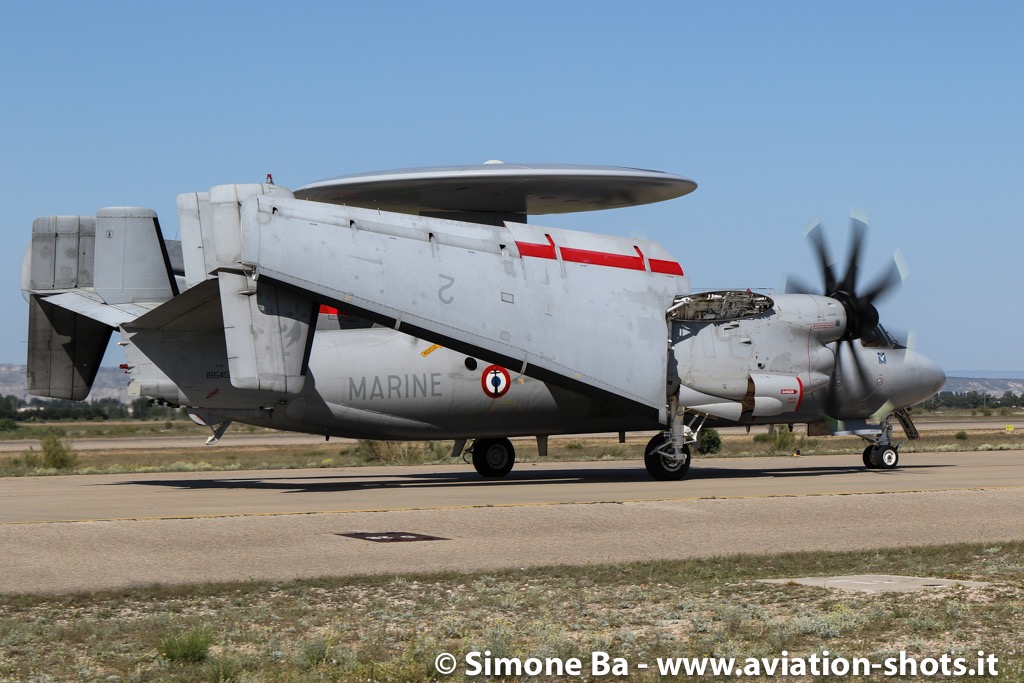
(666, 267)
(601, 258)
(538, 250)
(597, 258)
(801, 398)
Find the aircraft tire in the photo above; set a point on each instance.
(868, 463)
(662, 468)
(493, 458)
(888, 458)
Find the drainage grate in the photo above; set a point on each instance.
(391, 536)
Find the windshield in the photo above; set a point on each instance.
(879, 338)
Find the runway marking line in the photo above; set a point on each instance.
(230, 515)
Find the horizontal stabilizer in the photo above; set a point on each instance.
(64, 350)
(88, 303)
(197, 308)
(580, 310)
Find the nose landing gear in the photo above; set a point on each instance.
(881, 457)
(883, 454)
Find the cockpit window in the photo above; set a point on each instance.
(879, 338)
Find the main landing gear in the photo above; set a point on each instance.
(667, 456)
(493, 458)
(662, 462)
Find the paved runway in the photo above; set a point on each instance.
(107, 531)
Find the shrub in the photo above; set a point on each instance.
(8, 425)
(777, 440)
(961, 435)
(191, 647)
(710, 441)
(406, 452)
(57, 454)
(29, 458)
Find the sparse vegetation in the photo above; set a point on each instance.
(710, 441)
(777, 440)
(190, 647)
(194, 456)
(402, 452)
(57, 454)
(390, 628)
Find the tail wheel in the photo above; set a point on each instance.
(493, 458)
(661, 466)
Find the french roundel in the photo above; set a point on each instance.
(495, 381)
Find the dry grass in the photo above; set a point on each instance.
(391, 628)
(573, 449)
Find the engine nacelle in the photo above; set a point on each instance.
(743, 353)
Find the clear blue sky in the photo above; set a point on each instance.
(782, 112)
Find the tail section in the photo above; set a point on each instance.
(87, 276)
(84, 276)
(64, 350)
(132, 264)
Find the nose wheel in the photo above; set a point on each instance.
(883, 454)
(881, 457)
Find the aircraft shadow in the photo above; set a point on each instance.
(336, 483)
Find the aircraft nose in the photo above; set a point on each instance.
(928, 377)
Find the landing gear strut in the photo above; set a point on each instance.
(667, 456)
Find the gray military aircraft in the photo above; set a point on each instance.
(420, 304)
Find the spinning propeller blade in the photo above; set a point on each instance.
(861, 314)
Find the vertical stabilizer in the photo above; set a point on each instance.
(195, 220)
(64, 347)
(62, 252)
(132, 264)
(64, 350)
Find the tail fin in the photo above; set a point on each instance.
(64, 350)
(83, 278)
(132, 264)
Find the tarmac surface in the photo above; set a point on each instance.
(70, 533)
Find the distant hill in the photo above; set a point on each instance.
(983, 385)
(110, 383)
(113, 383)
